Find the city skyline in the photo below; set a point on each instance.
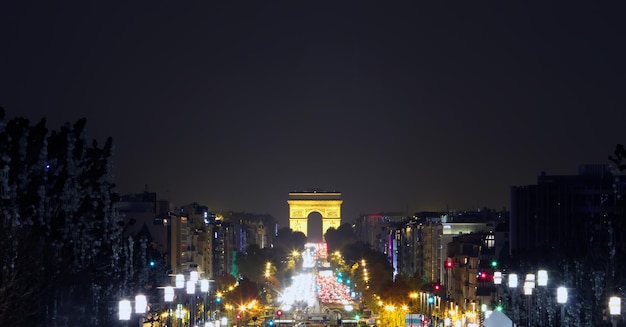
(401, 107)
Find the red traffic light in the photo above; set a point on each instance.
(449, 264)
(279, 313)
(436, 286)
(238, 316)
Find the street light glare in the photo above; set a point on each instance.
(542, 278)
(512, 280)
(615, 305)
(180, 281)
(125, 309)
(191, 287)
(141, 303)
(169, 294)
(204, 285)
(497, 277)
(193, 276)
(561, 294)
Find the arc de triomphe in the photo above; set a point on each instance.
(302, 204)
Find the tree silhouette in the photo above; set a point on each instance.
(338, 239)
(289, 240)
(61, 247)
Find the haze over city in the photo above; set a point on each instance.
(401, 106)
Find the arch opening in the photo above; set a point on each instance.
(314, 227)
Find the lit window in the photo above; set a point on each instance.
(490, 241)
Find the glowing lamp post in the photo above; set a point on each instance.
(125, 309)
(542, 282)
(191, 291)
(561, 297)
(141, 303)
(513, 280)
(204, 288)
(193, 276)
(529, 285)
(497, 277)
(542, 278)
(179, 314)
(615, 308)
(169, 298)
(180, 281)
(141, 306)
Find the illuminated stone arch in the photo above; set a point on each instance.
(302, 204)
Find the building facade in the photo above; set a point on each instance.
(565, 214)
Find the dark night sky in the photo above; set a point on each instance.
(399, 105)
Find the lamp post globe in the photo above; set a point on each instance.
(141, 303)
(561, 297)
(125, 309)
(615, 308)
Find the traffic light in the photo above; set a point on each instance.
(436, 286)
(499, 308)
(238, 316)
(494, 263)
(357, 317)
(279, 313)
(431, 299)
(270, 322)
(449, 264)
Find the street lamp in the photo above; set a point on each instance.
(179, 314)
(513, 282)
(191, 290)
(497, 277)
(125, 309)
(542, 278)
(168, 296)
(180, 285)
(141, 304)
(561, 297)
(529, 285)
(542, 282)
(180, 281)
(615, 308)
(204, 288)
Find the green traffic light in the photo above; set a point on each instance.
(494, 263)
(499, 308)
